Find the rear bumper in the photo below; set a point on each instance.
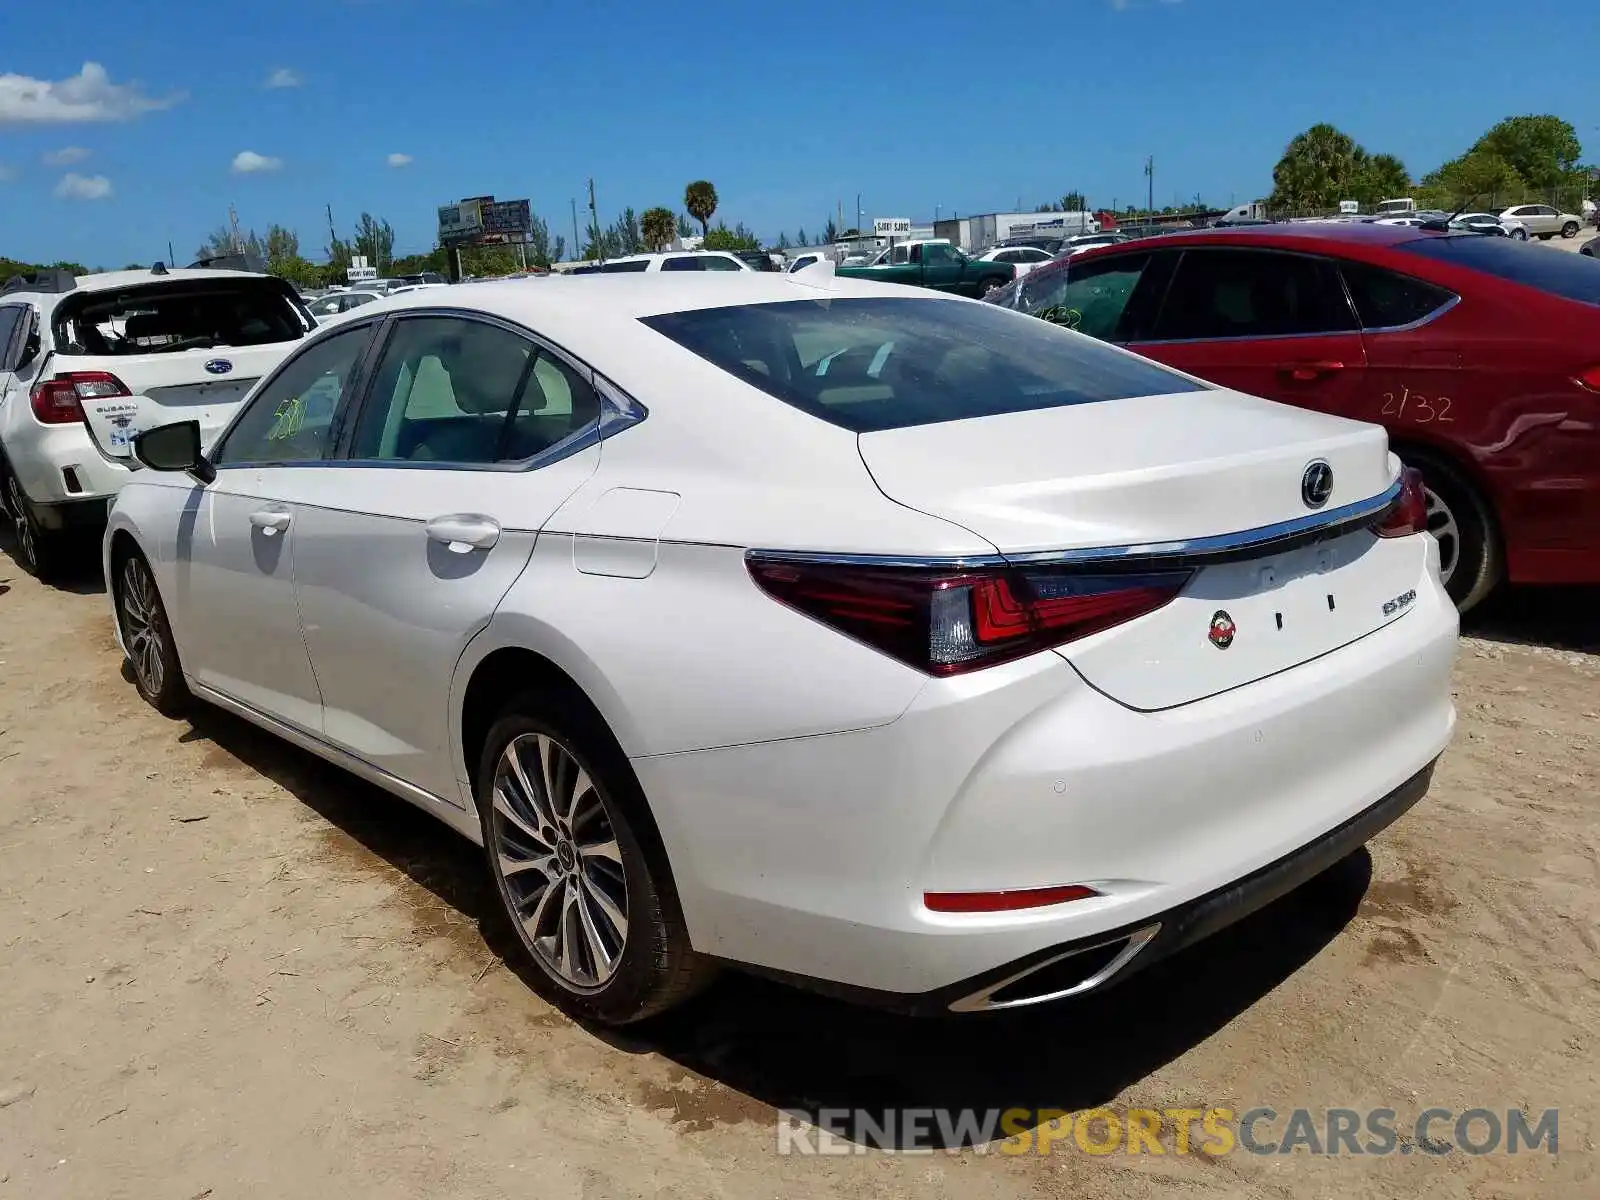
(809, 857)
(61, 465)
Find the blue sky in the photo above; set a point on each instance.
(970, 106)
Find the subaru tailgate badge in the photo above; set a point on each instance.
(218, 366)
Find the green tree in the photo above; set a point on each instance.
(737, 238)
(626, 235)
(783, 241)
(133, 267)
(800, 238)
(830, 233)
(1462, 181)
(221, 241)
(1543, 150)
(685, 228)
(374, 241)
(657, 227)
(1074, 202)
(1324, 165)
(700, 198)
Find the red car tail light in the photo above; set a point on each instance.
(59, 401)
(1012, 901)
(1408, 514)
(947, 622)
(1590, 378)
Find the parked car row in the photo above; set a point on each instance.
(1477, 354)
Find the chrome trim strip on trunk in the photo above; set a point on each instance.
(1190, 551)
(1136, 941)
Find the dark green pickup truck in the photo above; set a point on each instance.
(936, 265)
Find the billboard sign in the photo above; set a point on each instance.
(510, 219)
(892, 227)
(460, 222)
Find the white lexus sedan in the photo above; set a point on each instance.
(885, 641)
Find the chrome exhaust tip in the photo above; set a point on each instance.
(1079, 970)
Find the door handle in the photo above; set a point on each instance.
(1305, 372)
(271, 521)
(462, 532)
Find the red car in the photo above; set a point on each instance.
(1480, 355)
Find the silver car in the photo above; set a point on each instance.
(1543, 221)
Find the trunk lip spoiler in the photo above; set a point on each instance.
(1182, 552)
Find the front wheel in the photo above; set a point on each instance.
(991, 286)
(1570, 229)
(1520, 234)
(564, 829)
(1470, 554)
(147, 637)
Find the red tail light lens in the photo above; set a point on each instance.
(1590, 378)
(947, 622)
(1408, 514)
(1013, 901)
(59, 401)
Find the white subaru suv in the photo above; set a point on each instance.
(87, 362)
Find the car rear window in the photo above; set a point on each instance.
(873, 364)
(187, 314)
(1572, 276)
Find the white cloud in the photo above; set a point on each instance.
(65, 156)
(247, 162)
(83, 187)
(399, 160)
(87, 96)
(285, 77)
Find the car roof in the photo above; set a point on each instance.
(597, 316)
(1330, 235)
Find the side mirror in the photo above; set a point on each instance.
(174, 448)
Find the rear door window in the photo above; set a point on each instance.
(1571, 276)
(686, 262)
(1224, 293)
(1388, 300)
(869, 364)
(718, 262)
(625, 268)
(10, 319)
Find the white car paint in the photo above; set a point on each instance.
(337, 303)
(672, 262)
(1543, 220)
(1023, 258)
(809, 789)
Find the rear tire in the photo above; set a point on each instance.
(578, 867)
(1471, 558)
(39, 550)
(1570, 229)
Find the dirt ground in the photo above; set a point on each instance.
(228, 970)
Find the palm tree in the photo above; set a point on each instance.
(658, 226)
(700, 198)
(1316, 168)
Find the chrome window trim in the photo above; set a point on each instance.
(1190, 551)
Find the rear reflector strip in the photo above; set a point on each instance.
(1010, 901)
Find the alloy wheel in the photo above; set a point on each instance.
(142, 628)
(559, 860)
(1446, 531)
(27, 545)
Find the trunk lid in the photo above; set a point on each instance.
(1155, 473)
(188, 385)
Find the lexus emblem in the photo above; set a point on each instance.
(1222, 630)
(1316, 485)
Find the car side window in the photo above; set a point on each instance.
(716, 262)
(684, 263)
(1386, 299)
(10, 318)
(1219, 293)
(935, 254)
(449, 390)
(1088, 297)
(290, 420)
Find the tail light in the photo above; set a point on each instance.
(1408, 514)
(947, 622)
(1590, 378)
(59, 401)
(1009, 901)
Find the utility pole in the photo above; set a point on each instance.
(172, 259)
(577, 246)
(233, 224)
(1150, 176)
(594, 223)
(858, 212)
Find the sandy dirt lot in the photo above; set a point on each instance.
(227, 970)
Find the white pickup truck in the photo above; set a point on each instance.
(87, 363)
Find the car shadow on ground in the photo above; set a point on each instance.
(800, 1052)
(80, 567)
(1562, 618)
